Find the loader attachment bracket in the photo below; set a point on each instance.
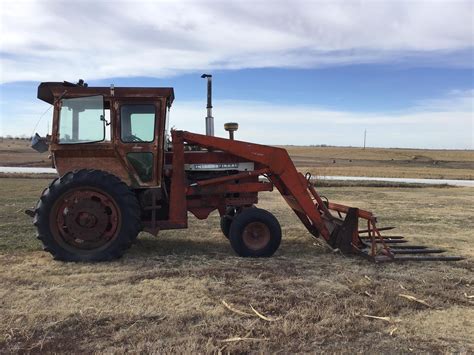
(343, 235)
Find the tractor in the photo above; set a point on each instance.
(122, 171)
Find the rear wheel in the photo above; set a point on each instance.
(87, 215)
(255, 232)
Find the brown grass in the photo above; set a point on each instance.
(16, 152)
(415, 163)
(167, 293)
(400, 154)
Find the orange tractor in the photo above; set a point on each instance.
(122, 173)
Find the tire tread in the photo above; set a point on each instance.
(125, 199)
(251, 215)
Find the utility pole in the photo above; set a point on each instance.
(365, 137)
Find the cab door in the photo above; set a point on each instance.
(138, 138)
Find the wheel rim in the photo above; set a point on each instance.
(256, 235)
(85, 219)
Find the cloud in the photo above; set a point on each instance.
(463, 100)
(53, 40)
(446, 123)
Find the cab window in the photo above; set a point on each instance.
(82, 120)
(137, 122)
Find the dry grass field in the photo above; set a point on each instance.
(384, 162)
(16, 152)
(380, 162)
(167, 294)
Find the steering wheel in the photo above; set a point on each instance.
(132, 138)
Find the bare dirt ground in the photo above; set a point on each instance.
(379, 162)
(167, 293)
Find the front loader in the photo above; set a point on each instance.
(120, 173)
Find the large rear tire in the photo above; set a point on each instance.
(255, 233)
(87, 215)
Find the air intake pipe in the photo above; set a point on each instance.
(209, 118)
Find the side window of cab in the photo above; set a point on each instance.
(137, 125)
(137, 122)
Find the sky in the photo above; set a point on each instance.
(289, 72)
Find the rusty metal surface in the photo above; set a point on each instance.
(178, 208)
(111, 165)
(50, 91)
(256, 235)
(84, 219)
(230, 188)
(111, 155)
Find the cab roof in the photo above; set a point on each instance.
(51, 91)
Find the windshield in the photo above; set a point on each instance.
(81, 120)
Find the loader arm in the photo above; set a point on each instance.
(337, 224)
(281, 172)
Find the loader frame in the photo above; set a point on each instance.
(336, 223)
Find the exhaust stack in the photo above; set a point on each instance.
(209, 118)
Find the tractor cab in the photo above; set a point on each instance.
(120, 130)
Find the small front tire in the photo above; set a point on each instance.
(255, 232)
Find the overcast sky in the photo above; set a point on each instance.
(290, 72)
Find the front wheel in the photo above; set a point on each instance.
(255, 233)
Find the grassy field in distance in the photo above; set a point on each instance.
(166, 294)
(18, 152)
(384, 162)
(381, 162)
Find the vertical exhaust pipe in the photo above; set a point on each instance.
(209, 118)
